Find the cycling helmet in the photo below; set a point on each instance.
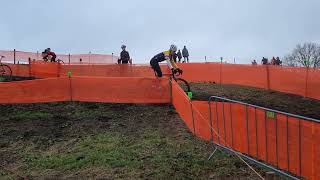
(123, 46)
(173, 48)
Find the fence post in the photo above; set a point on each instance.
(29, 67)
(59, 70)
(268, 77)
(307, 77)
(70, 85)
(69, 58)
(221, 70)
(14, 56)
(193, 124)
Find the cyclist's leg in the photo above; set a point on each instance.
(156, 67)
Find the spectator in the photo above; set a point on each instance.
(124, 56)
(179, 55)
(185, 54)
(273, 61)
(278, 61)
(264, 61)
(254, 62)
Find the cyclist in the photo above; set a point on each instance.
(48, 55)
(168, 56)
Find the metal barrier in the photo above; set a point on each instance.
(220, 140)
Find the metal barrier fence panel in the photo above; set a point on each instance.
(286, 141)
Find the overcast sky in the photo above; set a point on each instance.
(241, 29)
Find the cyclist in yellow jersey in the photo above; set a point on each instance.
(168, 56)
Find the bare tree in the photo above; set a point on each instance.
(307, 55)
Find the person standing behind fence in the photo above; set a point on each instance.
(179, 55)
(264, 61)
(185, 54)
(124, 56)
(254, 62)
(278, 61)
(273, 61)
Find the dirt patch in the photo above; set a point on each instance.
(110, 141)
(270, 99)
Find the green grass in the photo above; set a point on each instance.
(103, 150)
(112, 150)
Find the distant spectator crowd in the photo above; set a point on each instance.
(266, 61)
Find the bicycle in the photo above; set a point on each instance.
(182, 82)
(5, 70)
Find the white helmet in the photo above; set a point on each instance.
(173, 48)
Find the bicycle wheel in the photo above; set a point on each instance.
(60, 61)
(184, 84)
(5, 72)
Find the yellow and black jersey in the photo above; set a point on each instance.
(168, 56)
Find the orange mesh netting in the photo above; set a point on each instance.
(115, 70)
(88, 89)
(20, 70)
(300, 81)
(293, 80)
(42, 69)
(201, 119)
(44, 90)
(182, 104)
(121, 90)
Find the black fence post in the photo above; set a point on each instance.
(14, 56)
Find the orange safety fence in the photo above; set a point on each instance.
(88, 89)
(20, 70)
(35, 91)
(40, 69)
(21, 57)
(300, 81)
(283, 141)
(294, 80)
(121, 89)
(116, 70)
(183, 105)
